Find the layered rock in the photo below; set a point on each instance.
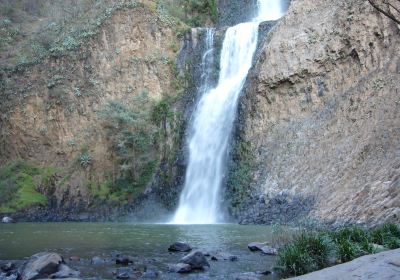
(320, 119)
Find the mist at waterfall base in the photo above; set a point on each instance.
(213, 119)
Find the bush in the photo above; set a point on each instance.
(308, 252)
(347, 250)
(386, 235)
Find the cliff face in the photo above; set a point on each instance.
(101, 113)
(319, 122)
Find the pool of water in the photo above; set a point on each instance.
(143, 241)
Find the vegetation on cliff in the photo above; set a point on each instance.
(22, 185)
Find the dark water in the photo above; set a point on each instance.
(142, 241)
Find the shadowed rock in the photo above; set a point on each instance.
(196, 260)
(180, 247)
(41, 265)
(256, 246)
(180, 268)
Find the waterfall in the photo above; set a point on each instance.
(214, 117)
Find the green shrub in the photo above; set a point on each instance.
(311, 251)
(85, 160)
(294, 261)
(308, 252)
(384, 233)
(18, 185)
(347, 250)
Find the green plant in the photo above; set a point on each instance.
(294, 261)
(311, 251)
(308, 252)
(386, 235)
(19, 183)
(85, 160)
(347, 250)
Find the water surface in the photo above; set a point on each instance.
(143, 241)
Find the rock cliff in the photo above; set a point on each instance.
(318, 132)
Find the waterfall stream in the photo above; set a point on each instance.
(214, 117)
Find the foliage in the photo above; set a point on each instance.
(132, 136)
(314, 250)
(19, 182)
(64, 27)
(194, 13)
(388, 235)
(85, 160)
(240, 175)
(308, 252)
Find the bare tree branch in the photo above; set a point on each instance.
(385, 12)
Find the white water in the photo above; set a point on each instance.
(213, 121)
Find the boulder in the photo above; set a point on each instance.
(180, 268)
(41, 265)
(179, 247)
(65, 271)
(256, 246)
(196, 260)
(7, 220)
(268, 250)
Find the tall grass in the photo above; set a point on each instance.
(313, 250)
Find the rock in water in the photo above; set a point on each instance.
(268, 250)
(124, 261)
(196, 260)
(256, 246)
(180, 247)
(8, 267)
(65, 271)
(97, 261)
(180, 268)
(41, 265)
(7, 220)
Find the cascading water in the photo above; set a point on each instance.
(213, 120)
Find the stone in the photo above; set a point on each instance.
(150, 274)
(8, 267)
(7, 220)
(41, 265)
(268, 250)
(97, 260)
(224, 256)
(196, 260)
(65, 271)
(256, 246)
(124, 273)
(124, 261)
(6, 276)
(75, 259)
(180, 268)
(180, 247)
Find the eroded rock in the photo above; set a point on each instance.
(196, 260)
(180, 247)
(180, 268)
(41, 265)
(256, 246)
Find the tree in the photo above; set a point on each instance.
(390, 8)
